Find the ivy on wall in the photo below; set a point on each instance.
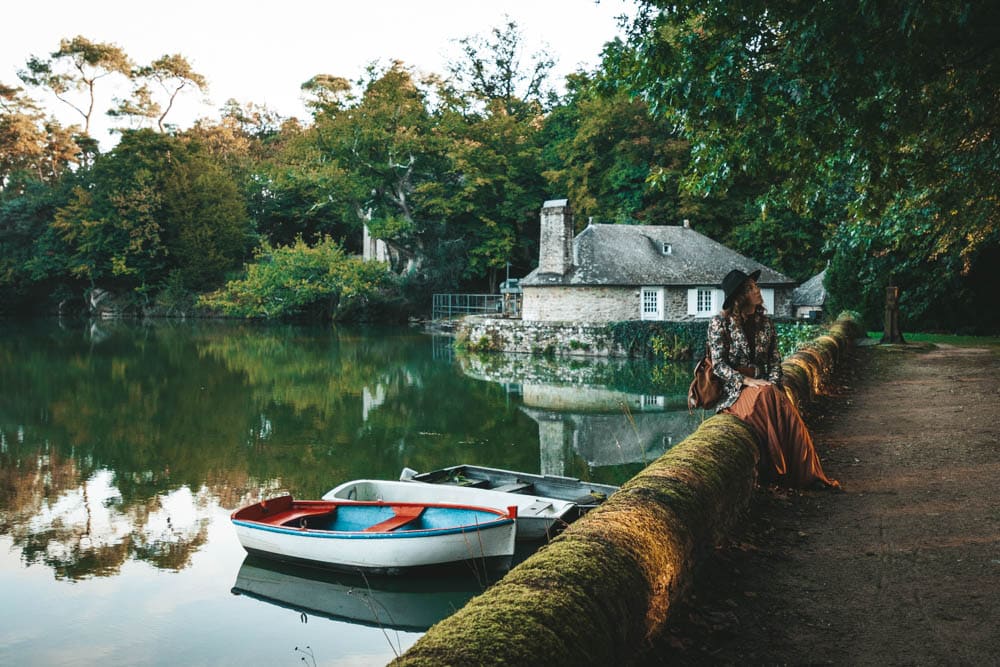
(677, 341)
(659, 340)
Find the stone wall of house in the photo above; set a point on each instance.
(530, 337)
(600, 304)
(580, 304)
(782, 303)
(675, 304)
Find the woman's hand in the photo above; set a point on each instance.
(754, 382)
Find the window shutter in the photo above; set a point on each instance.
(768, 296)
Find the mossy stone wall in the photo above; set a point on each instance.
(610, 580)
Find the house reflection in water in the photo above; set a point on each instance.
(603, 427)
(580, 417)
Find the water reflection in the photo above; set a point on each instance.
(399, 603)
(124, 447)
(116, 440)
(87, 530)
(580, 417)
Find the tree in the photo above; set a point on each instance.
(490, 113)
(171, 74)
(259, 149)
(620, 163)
(492, 69)
(207, 230)
(27, 256)
(892, 103)
(325, 93)
(615, 160)
(300, 280)
(77, 65)
(153, 207)
(29, 141)
(385, 143)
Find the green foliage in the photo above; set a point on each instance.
(662, 340)
(872, 118)
(299, 280)
(615, 161)
(27, 205)
(793, 335)
(207, 230)
(859, 135)
(152, 208)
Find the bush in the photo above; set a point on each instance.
(299, 280)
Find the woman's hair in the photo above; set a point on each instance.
(739, 302)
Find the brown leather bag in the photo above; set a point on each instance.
(706, 388)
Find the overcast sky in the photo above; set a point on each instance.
(261, 52)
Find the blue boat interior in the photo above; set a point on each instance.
(385, 518)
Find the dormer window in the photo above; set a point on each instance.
(667, 249)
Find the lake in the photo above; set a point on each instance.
(124, 447)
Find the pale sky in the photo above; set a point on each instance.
(261, 52)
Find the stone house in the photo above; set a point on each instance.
(809, 298)
(610, 273)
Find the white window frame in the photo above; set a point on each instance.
(704, 298)
(654, 296)
(649, 402)
(767, 295)
(714, 301)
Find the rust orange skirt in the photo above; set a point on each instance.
(788, 455)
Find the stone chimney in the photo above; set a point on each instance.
(555, 245)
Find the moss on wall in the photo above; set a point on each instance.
(610, 580)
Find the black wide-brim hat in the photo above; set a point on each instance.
(732, 283)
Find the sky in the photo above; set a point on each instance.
(261, 52)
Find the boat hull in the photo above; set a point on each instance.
(346, 536)
(538, 518)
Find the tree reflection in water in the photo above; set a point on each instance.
(119, 440)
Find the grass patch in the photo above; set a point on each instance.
(946, 339)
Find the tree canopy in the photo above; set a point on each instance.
(881, 114)
(859, 136)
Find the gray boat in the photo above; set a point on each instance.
(585, 495)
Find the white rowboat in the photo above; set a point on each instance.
(387, 537)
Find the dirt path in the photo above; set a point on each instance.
(903, 568)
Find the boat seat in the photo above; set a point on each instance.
(535, 509)
(293, 518)
(402, 515)
(472, 483)
(513, 487)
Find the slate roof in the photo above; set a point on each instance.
(811, 292)
(633, 255)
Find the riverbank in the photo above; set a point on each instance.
(903, 568)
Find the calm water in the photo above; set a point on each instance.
(124, 448)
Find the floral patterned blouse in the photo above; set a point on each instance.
(730, 349)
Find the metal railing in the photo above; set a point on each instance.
(447, 306)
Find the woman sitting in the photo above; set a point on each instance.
(744, 350)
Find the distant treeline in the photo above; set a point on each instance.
(861, 138)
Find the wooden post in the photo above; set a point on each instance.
(891, 332)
